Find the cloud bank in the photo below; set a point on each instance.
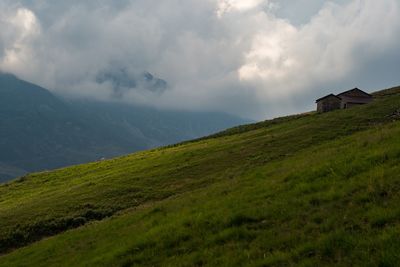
(253, 58)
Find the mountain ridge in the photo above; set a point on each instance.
(41, 131)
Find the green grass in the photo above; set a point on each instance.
(309, 190)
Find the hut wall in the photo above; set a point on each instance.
(328, 104)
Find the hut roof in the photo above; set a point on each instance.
(355, 90)
(327, 96)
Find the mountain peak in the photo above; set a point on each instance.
(123, 81)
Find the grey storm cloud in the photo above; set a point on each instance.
(254, 58)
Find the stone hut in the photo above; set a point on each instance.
(348, 99)
(354, 97)
(328, 103)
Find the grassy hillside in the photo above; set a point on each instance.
(315, 189)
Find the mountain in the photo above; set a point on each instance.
(307, 190)
(41, 131)
(122, 81)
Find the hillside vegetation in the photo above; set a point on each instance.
(309, 190)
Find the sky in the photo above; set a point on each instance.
(253, 58)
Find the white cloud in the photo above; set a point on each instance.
(231, 55)
(225, 6)
(19, 29)
(285, 59)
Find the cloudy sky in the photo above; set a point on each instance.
(254, 58)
